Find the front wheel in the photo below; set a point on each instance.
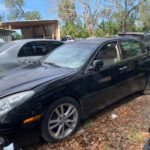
(61, 120)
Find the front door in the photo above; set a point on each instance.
(102, 85)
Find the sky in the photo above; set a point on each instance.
(43, 6)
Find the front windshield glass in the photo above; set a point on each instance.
(70, 55)
(7, 46)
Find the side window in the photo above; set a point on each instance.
(33, 49)
(109, 54)
(26, 51)
(37, 48)
(52, 45)
(132, 48)
(40, 48)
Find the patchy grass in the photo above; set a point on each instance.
(136, 137)
(106, 146)
(87, 124)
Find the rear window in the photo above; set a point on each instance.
(38, 48)
(132, 48)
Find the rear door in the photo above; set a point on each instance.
(134, 56)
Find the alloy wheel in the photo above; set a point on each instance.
(63, 121)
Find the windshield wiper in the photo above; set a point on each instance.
(51, 64)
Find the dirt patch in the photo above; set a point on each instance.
(122, 126)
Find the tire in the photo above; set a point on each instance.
(146, 92)
(60, 120)
(147, 88)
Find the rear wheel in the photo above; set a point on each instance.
(61, 120)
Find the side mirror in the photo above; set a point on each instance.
(97, 64)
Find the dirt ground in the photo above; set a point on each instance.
(122, 126)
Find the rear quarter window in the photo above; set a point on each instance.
(132, 48)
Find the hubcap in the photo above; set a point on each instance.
(63, 121)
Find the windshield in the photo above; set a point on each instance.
(7, 46)
(1, 43)
(70, 55)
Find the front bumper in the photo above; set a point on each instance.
(6, 133)
(7, 129)
(147, 145)
(20, 135)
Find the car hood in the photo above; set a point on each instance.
(28, 77)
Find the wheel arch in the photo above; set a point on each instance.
(77, 99)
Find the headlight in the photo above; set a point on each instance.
(10, 102)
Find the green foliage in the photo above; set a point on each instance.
(107, 28)
(81, 32)
(74, 29)
(32, 15)
(68, 29)
(126, 13)
(67, 11)
(100, 32)
(16, 36)
(144, 16)
(16, 11)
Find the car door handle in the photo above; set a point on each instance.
(123, 68)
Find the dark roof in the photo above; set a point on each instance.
(135, 34)
(100, 40)
(132, 33)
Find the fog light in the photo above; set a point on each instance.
(2, 140)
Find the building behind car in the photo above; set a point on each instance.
(35, 29)
(5, 35)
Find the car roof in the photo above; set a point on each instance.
(135, 34)
(100, 40)
(132, 33)
(22, 41)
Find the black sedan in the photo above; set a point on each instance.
(20, 52)
(69, 84)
